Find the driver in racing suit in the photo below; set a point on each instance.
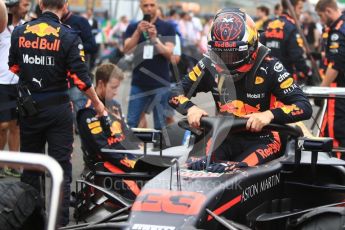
(245, 82)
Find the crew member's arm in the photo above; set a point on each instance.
(92, 130)
(336, 58)
(198, 80)
(133, 34)
(294, 105)
(13, 58)
(291, 105)
(163, 47)
(89, 42)
(330, 76)
(296, 53)
(78, 72)
(3, 19)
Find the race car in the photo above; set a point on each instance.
(303, 187)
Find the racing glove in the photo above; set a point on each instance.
(197, 164)
(226, 166)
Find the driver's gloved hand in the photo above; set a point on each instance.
(197, 164)
(225, 166)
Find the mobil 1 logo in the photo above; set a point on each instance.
(38, 60)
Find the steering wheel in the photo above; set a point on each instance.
(221, 127)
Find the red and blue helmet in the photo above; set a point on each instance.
(233, 39)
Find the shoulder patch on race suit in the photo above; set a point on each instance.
(299, 40)
(82, 52)
(259, 80)
(283, 76)
(333, 47)
(290, 89)
(334, 37)
(95, 127)
(195, 73)
(278, 67)
(287, 83)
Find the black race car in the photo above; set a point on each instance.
(305, 187)
(302, 189)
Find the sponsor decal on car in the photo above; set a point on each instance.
(198, 174)
(259, 187)
(168, 201)
(151, 227)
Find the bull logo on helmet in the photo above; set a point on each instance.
(228, 27)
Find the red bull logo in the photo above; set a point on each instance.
(42, 30)
(276, 24)
(288, 109)
(238, 108)
(274, 34)
(116, 128)
(39, 43)
(128, 163)
(221, 44)
(179, 100)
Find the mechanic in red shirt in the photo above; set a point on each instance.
(245, 82)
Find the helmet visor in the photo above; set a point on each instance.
(230, 56)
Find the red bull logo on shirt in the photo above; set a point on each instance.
(39, 43)
(238, 108)
(42, 30)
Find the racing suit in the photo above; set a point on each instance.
(282, 37)
(334, 119)
(43, 54)
(111, 133)
(272, 82)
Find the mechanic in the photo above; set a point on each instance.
(3, 19)
(282, 37)
(109, 132)
(44, 53)
(246, 83)
(334, 120)
(112, 131)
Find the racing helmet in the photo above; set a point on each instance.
(233, 40)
